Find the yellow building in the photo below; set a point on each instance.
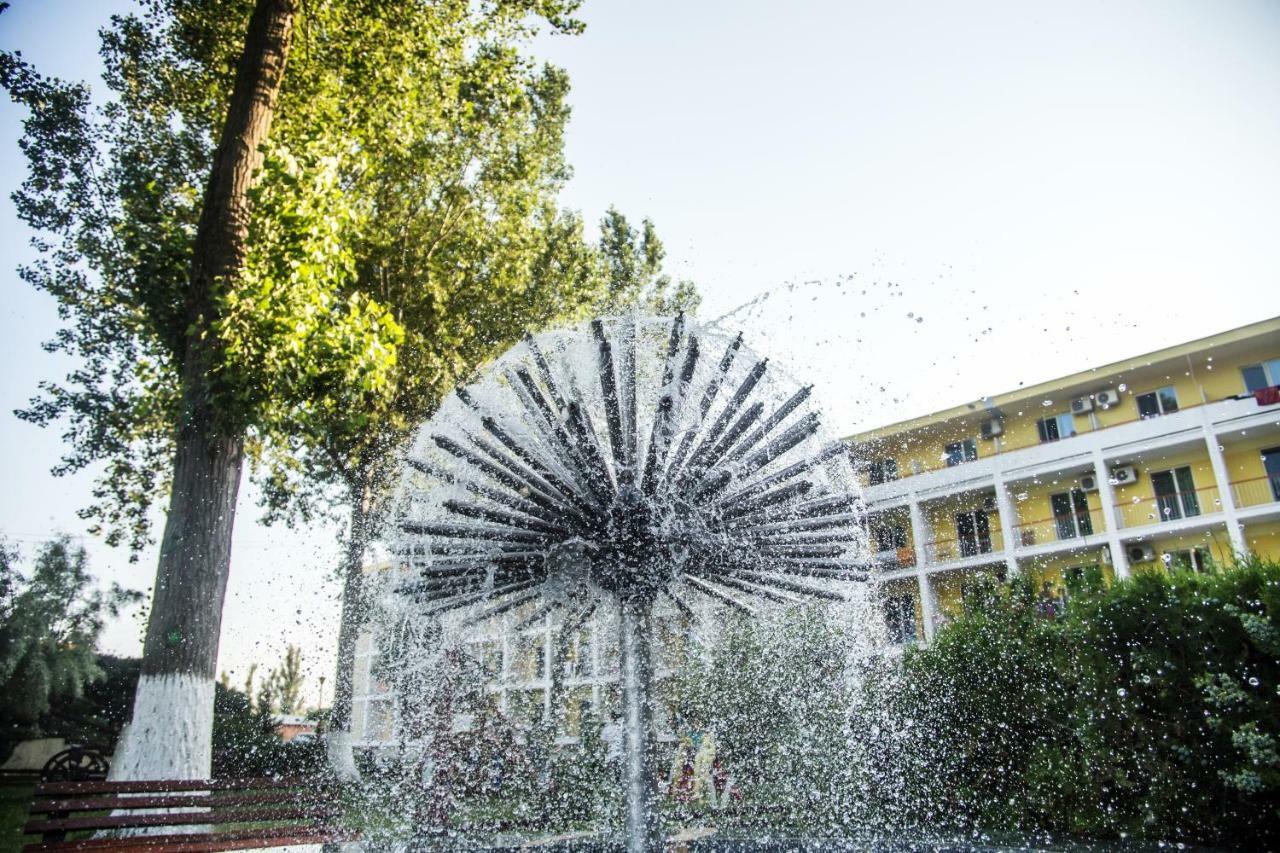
(1171, 458)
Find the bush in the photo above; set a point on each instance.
(1149, 709)
(245, 743)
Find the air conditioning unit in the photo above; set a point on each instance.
(1122, 475)
(1107, 398)
(1141, 553)
(1089, 483)
(1080, 405)
(992, 428)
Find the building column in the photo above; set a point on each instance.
(1005, 507)
(1235, 530)
(919, 529)
(920, 532)
(1110, 514)
(928, 605)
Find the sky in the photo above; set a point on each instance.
(912, 205)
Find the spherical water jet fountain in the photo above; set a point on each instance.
(616, 463)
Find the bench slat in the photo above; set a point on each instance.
(196, 842)
(173, 801)
(163, 786)
(195, 818)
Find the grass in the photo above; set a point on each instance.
(15, 799)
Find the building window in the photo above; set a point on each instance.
(1271, 464)
(1056, 426)
(1175, 492)
(1186, 559)
(1071, 514)
(890, 537)
(1264, 374)
(900, 618)
(973, 531)
(1161, 401)
(959, 452)
(882, 471)
(377, 721)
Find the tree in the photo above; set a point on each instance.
(286, 683)
(49, 627)
(454, 226)
(209, 320)
(632, 267)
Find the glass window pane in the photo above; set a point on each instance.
(1254, 377)
(1168, 400)
(1273, 371)
(1147, 405)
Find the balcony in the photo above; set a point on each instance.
(1174, 506)
(1256, 491)
(1071, 528)
(895, 558)
(964, 549)
(1183, 426)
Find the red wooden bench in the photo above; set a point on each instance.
(183, 816)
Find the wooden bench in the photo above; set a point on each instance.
(183, 816)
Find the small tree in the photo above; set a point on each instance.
(50, 621)
(287, 681)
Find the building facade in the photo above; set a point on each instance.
(1168, 459)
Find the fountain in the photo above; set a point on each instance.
(615, 463)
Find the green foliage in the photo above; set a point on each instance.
(245, 742)
(633, 270)
(1151, 709)
(50, 620)
(96, 716)
(777, 699)
(585, 789)
(281, 691)
(308, 340)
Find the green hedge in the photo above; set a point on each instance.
(1149, 709)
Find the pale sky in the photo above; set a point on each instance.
(924, 203)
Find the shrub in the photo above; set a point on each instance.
(1150, 709)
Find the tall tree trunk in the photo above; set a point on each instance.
(339, 740)
(170, 735)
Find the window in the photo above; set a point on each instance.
(377, 721)
(882, 471)
(1271, 464)
(973, 530)
(1264, 374)
(1071, 514)
(488, 653)
(900, 618)
(890, 537)
(1055, 427)
(1175, 493)
(1162, 401)
(1186, 559)
(959, 452)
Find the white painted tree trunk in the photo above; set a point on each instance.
(338, 747)
(171, 736)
